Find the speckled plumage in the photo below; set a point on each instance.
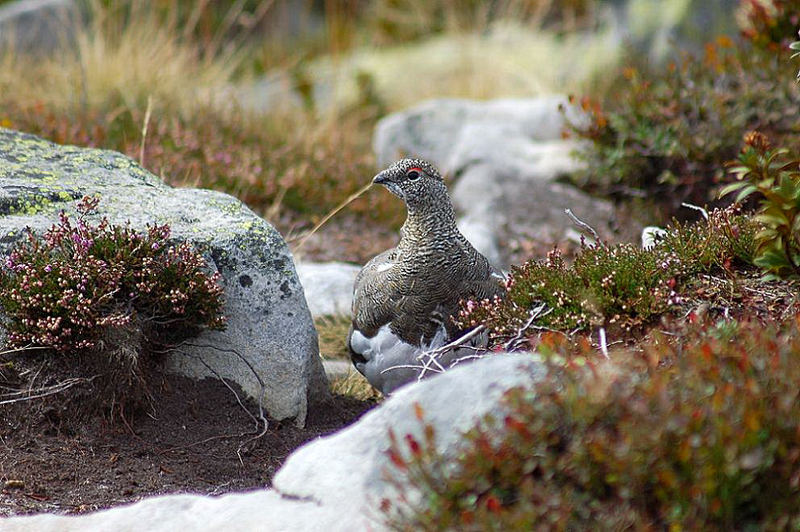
(416, 287)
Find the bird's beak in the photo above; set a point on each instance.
(385, 178)
(380, 179)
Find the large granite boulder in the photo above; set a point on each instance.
(334, 483)
(506, 157)
(270, 345)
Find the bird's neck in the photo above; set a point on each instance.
(429, 222)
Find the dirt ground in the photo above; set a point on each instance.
(198, 440)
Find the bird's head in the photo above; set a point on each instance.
(415, 181)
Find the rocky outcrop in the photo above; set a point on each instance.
(270, 345)
(506, 157)
(334, 483)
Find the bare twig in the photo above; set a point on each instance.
(345, 203)
(429, 359)
(537, 312)
(455, 343)
(583, 225)
(603, 345)
(37, 393)
(696, 208)
(261, 417)
(144, 129)
(29, 347)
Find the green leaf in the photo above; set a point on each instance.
(748, 190)
(733, 187)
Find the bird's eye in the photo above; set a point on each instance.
(413, 175)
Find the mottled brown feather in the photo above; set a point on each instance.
(417, 286)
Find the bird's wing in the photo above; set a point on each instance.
(374, 294)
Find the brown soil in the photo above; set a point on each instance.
(197, 439)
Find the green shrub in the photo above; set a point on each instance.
(775, 175)
(704, 435)
(618, 285)
(70, 288)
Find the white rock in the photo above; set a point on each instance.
(455, 133)
(479, 229)
(502, 204)
(270, 345)
(650, 235)
(256, 511)
(451, 402)
(328, 286)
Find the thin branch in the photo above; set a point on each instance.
(144, 128)
(261, 417)
(538, 312)
(403, 366)
(603, 345)
(701, 210)
(583, 225)
(455, 343)
(330, 215)
(29, 347)
(37, 393)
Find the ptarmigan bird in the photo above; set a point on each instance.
(404, 298)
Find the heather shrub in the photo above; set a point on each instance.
(105, 299)
(67, 289)
(701, 432)
(665, 132)
(619, 285)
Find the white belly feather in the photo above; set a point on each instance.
(391, 362)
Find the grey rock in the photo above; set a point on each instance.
(334, 483)
(338, 369)
(455, 133)
(39, 26)
(328, 286)
(513, 205)
(270, 345)
(506, 157)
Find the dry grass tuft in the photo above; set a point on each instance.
(332, 331)
(357, 387)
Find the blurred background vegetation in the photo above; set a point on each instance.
(275, 101)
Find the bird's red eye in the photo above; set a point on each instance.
(413, 173)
